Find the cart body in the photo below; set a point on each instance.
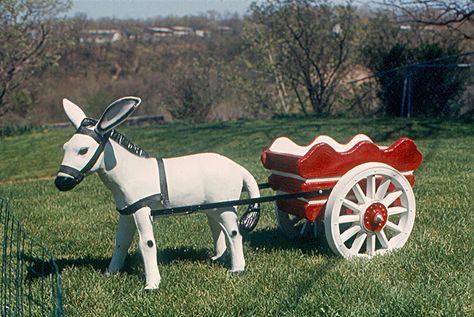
(324, 163)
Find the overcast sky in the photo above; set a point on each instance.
(142, 9)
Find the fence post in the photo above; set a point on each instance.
(409, 90)
(405, 82)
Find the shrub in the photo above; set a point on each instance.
(426, 76)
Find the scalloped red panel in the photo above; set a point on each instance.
(323, 161)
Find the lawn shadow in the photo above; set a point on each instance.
(390, 135)
(422, 130)
(39, 268)
(264, 240)
(273, 239)
(166, 256)
(183, 254)
(306, 285)
(432, 129)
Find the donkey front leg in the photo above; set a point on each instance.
(123, 239)
(143, 221)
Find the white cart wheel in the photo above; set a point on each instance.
(293, 227)
(364, 223)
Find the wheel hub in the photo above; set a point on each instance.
(375, 217)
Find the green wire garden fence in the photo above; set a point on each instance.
(31, 283)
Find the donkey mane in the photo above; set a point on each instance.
(120, 139)
(128, 145)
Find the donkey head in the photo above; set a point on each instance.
(83, 152)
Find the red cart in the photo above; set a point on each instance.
(371, 206)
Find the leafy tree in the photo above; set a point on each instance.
(412, 69)
(28, 44)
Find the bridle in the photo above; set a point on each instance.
(100, 139)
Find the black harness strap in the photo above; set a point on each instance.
(163, 183)
(79, 174)
(144, 202)
(147, 201)
(93, 134)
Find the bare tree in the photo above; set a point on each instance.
(263, 47)
(25, 42)
(454, 15)
(310, 42)
(195, 89)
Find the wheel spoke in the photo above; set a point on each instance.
(382, 190)
(387, 201)
(350, 233)
(371, 186)
(393, 227)
(303, 228)
(371, 244)
(348, 218)
(351, 205)
(358, 242)
(359, 194)
(383, 239)
(396, 210)
(292, 226)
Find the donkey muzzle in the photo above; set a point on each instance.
(65, 183)
(69, 179)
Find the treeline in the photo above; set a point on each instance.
(304, 56)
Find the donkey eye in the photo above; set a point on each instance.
(83, 150)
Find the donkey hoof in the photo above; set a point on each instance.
(110, 272)
(237, 272)
(150, 288)
(217, 257)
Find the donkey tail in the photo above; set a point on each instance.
(250, 218)
(250, 184)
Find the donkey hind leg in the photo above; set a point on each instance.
(227, 219)
(123, 239)
(217, 236)
(147, 246)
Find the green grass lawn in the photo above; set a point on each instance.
(431, 276)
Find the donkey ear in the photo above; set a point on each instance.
(116, 113)
(73, 112)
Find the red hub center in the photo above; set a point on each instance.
(375, 217)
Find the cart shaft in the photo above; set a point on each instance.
(249, 201)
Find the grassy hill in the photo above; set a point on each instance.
(430, 276)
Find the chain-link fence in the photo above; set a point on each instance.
(441, 87)
(31, 284)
